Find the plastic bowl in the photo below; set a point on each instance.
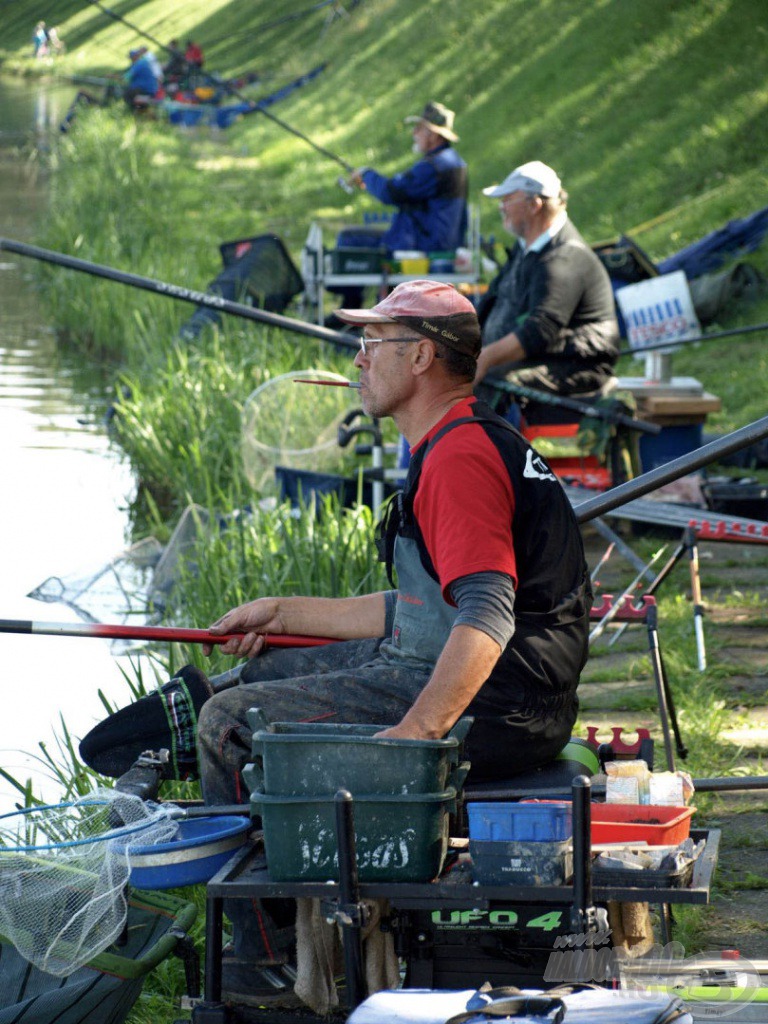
(201, 848)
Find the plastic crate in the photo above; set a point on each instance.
(544, 821)
(398, 838)
(525, 863)
(659, 826)
(319, 758)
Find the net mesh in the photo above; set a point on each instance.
(64, 870)
(296, 426)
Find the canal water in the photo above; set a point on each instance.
(65, 491)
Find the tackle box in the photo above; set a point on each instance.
(398, 838)
(347, 260)
(528, 821)
(521, 863)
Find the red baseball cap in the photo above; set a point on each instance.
(428, 307)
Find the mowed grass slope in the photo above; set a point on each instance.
(653, 112)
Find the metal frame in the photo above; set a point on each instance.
(317, 277)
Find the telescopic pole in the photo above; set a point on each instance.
(175, 291)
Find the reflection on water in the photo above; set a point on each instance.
(65, 491)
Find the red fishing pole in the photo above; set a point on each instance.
(170, 634)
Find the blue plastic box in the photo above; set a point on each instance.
(670, 443)
(543, 822)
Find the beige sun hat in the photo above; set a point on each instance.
(438, 119)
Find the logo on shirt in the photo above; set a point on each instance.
(536, 468)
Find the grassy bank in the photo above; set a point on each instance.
(654, 114)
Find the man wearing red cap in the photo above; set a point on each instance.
(490, 614)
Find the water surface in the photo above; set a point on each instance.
(64, 489)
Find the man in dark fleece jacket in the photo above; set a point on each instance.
(548, 318)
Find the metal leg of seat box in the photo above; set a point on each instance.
(212, 1010)
(349, 911)
(663, 694)
(689, 540)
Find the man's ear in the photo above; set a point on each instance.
(538, 204)
(423, 356)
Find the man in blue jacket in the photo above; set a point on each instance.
(431, 197)
(140, 78)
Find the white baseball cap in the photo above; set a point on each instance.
(534, 178)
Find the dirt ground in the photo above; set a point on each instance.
(617, 690)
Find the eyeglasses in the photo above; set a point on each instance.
(365, 343)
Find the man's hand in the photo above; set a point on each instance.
(356, 177)
(252, 620)
(399, 732)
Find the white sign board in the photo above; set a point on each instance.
(659, 309)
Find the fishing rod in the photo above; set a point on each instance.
(575, 404)
(337, 338)
(585, 511)
(691, 341)
(244, 99)
(170, 634)
(174, 291)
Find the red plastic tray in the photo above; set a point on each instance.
(659, 826)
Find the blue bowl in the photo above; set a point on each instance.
(201, 848)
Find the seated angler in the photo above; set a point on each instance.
(548, 319)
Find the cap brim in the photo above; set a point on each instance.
(363, 316)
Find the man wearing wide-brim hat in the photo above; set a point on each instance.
(431, 197)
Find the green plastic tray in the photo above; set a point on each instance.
(317, 759)
(398, 838)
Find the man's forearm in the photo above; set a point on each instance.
(348, 618)
(506, 350)
(464, 665)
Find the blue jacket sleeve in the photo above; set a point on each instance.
(419, 182)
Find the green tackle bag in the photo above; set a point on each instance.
(104, 991)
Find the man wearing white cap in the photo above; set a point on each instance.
(548, 319)
(490, 614)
